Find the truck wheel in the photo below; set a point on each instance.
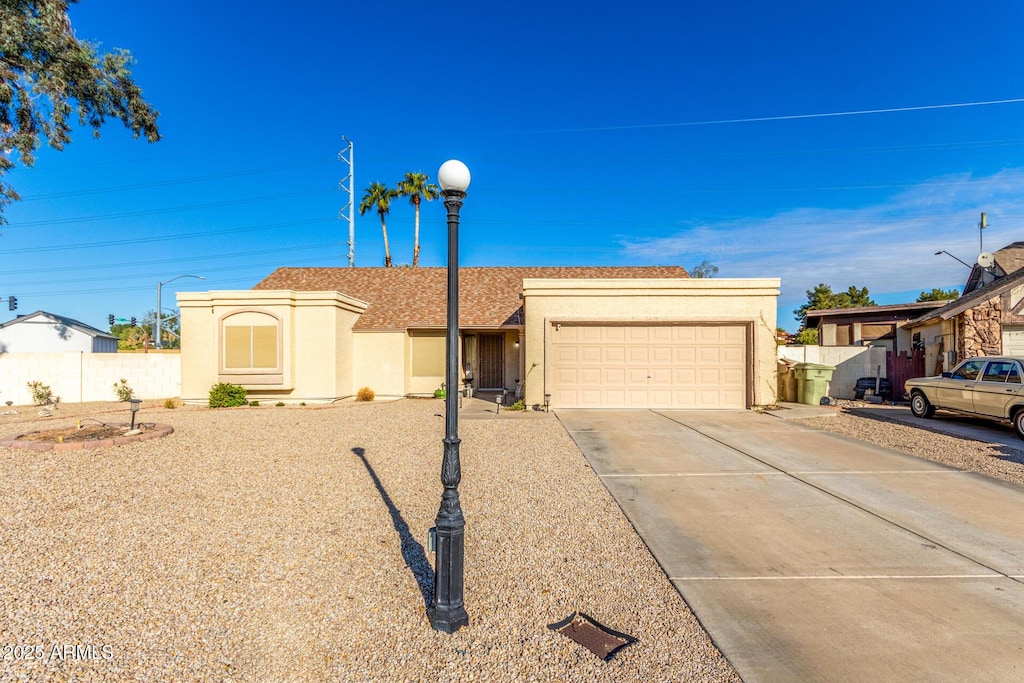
(920, 407)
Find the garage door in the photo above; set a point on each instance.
(1013, 341)
(664, 366)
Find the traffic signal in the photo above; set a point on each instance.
(133, 321)
(110, 318)
(12, 303)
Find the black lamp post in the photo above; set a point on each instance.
(447, 612)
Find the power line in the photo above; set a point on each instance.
(761, 119)
(188, 259)
(164, 238)
(137, 276)
(175, 209)
(168, 183)
(107, 290)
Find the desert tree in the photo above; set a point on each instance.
(48, 77)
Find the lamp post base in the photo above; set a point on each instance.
(448, 621)
(447, 611)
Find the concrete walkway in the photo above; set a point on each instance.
(485, 408)
(812, 557)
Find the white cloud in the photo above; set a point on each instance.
(889, 248)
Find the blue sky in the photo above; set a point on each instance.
(670, 133)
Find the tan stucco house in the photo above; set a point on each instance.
(616, 337)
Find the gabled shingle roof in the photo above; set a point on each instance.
(1011, 257)
(400, 298)
(971, 299)
(1008, 261)
(60, 320)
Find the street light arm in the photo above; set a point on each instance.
(943, 251)
(158, 327)
(165, 282)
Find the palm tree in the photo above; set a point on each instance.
(379, 196)
(416, 188)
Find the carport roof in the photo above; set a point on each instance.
(401, 298)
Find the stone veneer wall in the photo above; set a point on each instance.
(979, 330)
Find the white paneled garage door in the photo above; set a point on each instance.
(1013, 341)
(660, 366)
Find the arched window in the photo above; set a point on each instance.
(251, 344)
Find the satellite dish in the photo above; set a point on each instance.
(986, 260)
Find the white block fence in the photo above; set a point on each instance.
(79, 377)
(850, 363)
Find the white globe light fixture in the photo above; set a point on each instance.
(453, 175)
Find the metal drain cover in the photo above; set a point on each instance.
(601, 640)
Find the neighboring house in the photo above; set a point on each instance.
(1006, 261)
(43, 332)
(867, 325)
(986, 320)
(643, 337)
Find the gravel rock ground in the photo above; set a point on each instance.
(288, 544)
(995, 460)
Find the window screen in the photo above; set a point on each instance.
(250, 347)
(844, 335)
(428, 356)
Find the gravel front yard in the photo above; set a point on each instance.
(995, 460)
(287, 544)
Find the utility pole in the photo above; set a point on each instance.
(350, 179)
(981, 237)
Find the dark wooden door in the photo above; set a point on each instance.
(901, 368)
(491, 373)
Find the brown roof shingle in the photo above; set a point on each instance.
(1011, 257)
(400, 298)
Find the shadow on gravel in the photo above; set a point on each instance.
(1001, 451)
(412, 550)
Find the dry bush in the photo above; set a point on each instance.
(365, 394)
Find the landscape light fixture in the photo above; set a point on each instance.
(133, 405)
(447, 610)
(157, 328)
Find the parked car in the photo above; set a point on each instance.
(987, 387)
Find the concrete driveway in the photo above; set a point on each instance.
(811, 557)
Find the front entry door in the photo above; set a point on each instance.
(492, 365)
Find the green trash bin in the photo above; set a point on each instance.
(812, 382)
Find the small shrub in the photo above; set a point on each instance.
(170, 403)
(123, 391)
(303, 403)
(518, 405)
(224, 395)
(255, 404)
(279, 404)
(41, 394)
(365, 394)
